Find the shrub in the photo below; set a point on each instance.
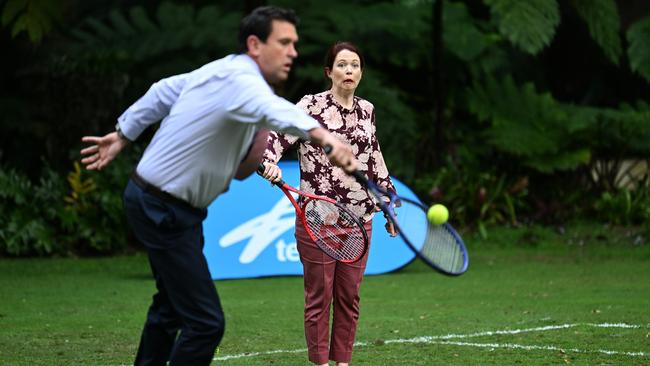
(83, 217)
(29, 213)
(475, 198)
(625, 207)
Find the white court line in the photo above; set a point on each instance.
(547, 348)
(253, 354)
(495, 332)
(617, 325)
(443, 339)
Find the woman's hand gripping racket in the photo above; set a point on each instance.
(334, 228)
(439, 246)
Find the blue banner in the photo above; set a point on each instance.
(249, 232)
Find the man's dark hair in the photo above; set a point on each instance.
(259, 22)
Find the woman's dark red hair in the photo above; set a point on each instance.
(334, 50)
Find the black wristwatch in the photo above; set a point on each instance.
(120, 134)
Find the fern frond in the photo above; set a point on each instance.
(461, 36)
(121, 24)
(628, 129)
(548, 135)
(369, 26)
(101, 30)
(141, 20)
(638, 36)
(604, 25)
(11, 10)
(530, 25)
(35, 17)
(175, 16)
(140, 36)
(533, 126)
(568, 160)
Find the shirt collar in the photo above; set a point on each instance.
(248, 61)
(330, 96)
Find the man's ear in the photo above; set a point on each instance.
(253, 44)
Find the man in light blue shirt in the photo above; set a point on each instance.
(209, 119)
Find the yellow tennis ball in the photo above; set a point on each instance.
(438, 214)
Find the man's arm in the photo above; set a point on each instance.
(149, 109)
(254, 102)
(251, 100)
(153, 106)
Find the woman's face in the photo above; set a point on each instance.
(346, 71)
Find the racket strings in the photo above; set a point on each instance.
(442, 249)
(435, 243)
(335, 230)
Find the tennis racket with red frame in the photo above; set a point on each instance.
(335, 229)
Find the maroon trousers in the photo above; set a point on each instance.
(329, 284)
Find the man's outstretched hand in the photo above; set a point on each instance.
(102, 151)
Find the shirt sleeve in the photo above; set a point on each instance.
(277, 144)
(381, 177)
(253, 101)
(153, 106)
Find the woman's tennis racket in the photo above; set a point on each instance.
(334, 228)
(439, 246)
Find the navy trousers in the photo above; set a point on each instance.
(185, 321)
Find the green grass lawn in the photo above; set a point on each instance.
(532, 296)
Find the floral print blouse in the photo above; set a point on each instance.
(356, 126)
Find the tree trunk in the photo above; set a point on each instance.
(431, 145)
(438, 97)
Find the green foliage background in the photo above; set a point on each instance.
(535, 98)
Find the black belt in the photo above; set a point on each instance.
(155, 191)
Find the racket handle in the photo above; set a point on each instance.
(260, 171)
(360, 177)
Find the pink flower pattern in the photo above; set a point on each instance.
(355, 126)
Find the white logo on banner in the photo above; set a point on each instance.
(262, 231)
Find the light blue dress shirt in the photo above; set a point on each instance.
(209, 117)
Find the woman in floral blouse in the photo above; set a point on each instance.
(351, 119)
